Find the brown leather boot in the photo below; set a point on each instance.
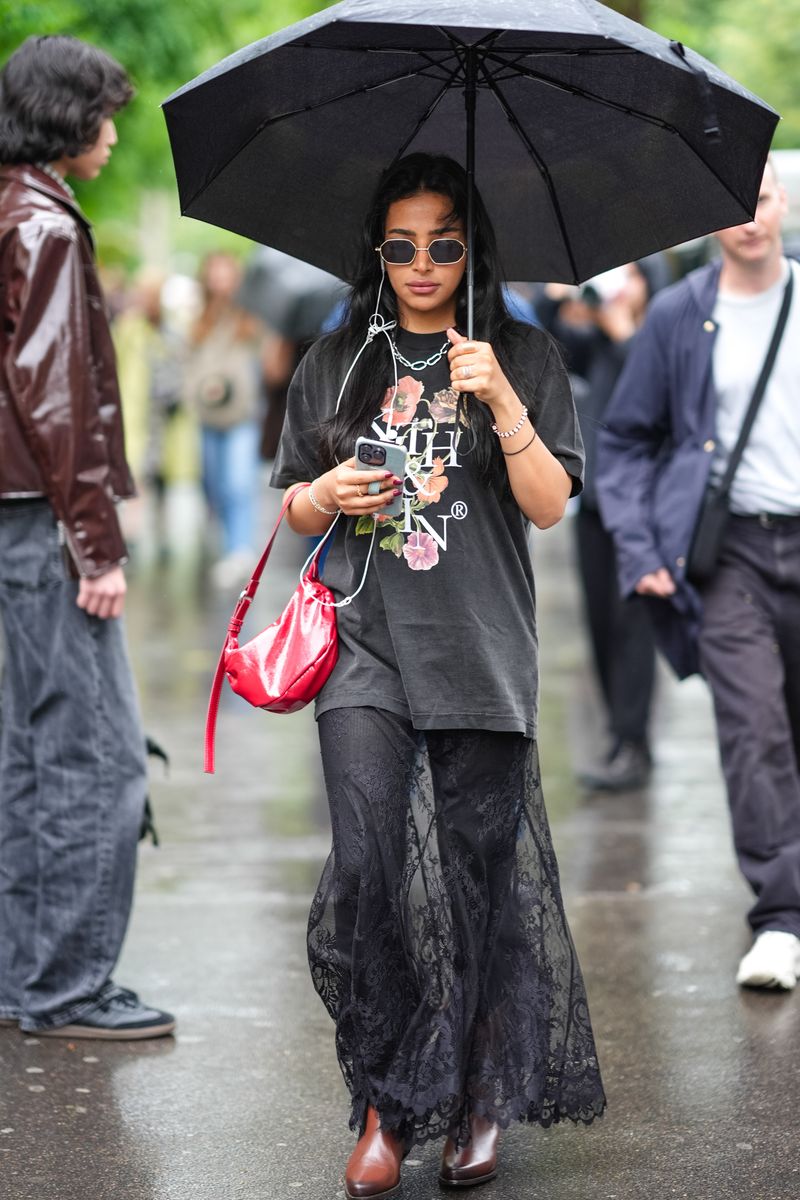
(474, 1163)
(374, 1167)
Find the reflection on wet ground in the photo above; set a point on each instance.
(248, 1103)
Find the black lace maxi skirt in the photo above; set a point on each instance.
(437, 938)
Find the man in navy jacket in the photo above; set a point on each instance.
(671, 426)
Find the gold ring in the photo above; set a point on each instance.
(358, 489)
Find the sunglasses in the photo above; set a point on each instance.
(401, 252)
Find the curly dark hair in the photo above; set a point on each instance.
(55, 93)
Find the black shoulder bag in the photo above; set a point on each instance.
(713, 520)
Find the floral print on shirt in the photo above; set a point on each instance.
(418, 420)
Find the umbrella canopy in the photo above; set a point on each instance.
(292, 297)
(593, 140)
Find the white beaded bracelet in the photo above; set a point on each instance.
(329, 512)
(510, 432)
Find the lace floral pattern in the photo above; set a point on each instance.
(437, 937)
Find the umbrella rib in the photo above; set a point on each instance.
(296, 112)
(543, 171)
(628, 111)
(426, 115)
(512, 51)
(564, 51)
(395, 51)
(574, 90)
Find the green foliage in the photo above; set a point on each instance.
(161, 45)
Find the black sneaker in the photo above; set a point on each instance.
(118, 1015)
(627, 769)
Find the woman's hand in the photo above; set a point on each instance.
(474, 368)
(345, 487)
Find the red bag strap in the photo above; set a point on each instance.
(234, 626)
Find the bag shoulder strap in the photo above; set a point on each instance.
(234, 626)
(760, 388)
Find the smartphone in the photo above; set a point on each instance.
(372, 455)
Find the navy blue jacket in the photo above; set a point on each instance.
(655, 454)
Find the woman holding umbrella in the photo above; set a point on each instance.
(437, 937)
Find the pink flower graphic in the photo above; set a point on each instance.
(430, 487)
(409, 393)
(421, 552)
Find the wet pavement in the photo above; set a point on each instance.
(247, 1103)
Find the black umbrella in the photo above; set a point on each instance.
(290, 296)
(594, 141)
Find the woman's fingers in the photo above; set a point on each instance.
(349, 482)
(352, 494)
(471, 366)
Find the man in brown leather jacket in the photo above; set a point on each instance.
(72, 763)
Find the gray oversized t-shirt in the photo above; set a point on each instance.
(444, 630)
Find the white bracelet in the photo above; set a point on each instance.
(516, 428)
(329, 512)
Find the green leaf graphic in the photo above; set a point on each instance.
(393, 543)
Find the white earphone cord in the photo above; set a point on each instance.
(377, 324)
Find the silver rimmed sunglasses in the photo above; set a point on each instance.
(401, 252)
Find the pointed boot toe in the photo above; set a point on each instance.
(476, 1161)
(373, 1171)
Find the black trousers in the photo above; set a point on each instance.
(620, 632)
(750, 655)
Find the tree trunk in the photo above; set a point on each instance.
(635, 9)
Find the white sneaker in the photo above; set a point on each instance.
(773, 961)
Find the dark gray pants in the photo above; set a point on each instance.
(750, 654)
(72, 782)
(622, 636)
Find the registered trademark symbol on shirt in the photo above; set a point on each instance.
(459, 510)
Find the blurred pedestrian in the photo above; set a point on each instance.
(437, 938)
(73, 780)
(224, 383)
(672, 426)
(294, 300)
(594, 327)
(161, 433)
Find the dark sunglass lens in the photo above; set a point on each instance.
(446, 251)
(398, 251)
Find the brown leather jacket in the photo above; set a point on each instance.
(60, 420)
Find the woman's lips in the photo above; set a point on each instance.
(423, 289)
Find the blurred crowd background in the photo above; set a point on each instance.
(186, 297)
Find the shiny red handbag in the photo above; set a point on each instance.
(285, 666)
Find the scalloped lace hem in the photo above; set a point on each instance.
(449, 1117)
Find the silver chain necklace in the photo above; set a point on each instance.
(421, 363)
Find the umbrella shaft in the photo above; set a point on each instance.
(470, 89)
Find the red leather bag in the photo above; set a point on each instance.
(285, 666)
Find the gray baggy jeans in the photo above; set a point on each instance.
(750, 655)
(72, 782)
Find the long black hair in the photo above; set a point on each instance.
(55, 92)
(408, 177)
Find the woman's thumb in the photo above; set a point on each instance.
(455, 337)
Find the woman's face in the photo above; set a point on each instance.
(221, 275)
(426, 293)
